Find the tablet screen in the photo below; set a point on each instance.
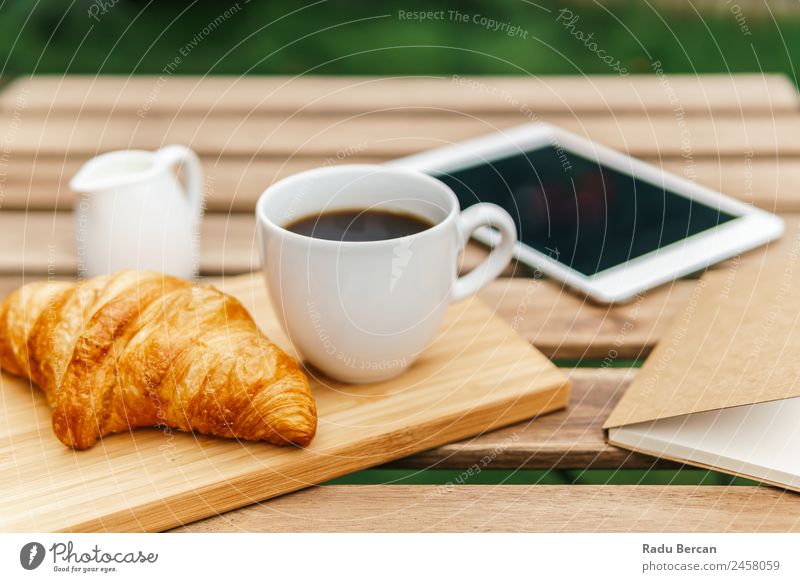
(579, 212)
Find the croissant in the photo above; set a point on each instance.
(138, 349)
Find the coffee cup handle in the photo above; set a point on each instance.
(469, 221)
(178, 155)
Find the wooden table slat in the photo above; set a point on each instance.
(566, 439)
(43, 242)
(379, 135)
(517, 508)
(234, 184)
(166, 95)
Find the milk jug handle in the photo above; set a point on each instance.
(178, 155)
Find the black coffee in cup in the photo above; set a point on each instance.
(359, 225)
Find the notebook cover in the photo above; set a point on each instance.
(737, 342)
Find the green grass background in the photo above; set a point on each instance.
(335, 37)
(345, 37)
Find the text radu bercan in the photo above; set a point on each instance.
(677, 549)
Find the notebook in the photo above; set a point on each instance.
(722, 388)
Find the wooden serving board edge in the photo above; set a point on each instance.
(257, 486)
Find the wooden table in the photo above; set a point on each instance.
(738, 134)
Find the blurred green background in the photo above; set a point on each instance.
(346, 37)
(338, 37)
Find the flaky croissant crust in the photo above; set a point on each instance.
(138, 349)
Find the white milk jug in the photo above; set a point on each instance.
(133, 213)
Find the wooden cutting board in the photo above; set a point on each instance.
(478, 375)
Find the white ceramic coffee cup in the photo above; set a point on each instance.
(364, 311)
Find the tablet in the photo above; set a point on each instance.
(598, 220)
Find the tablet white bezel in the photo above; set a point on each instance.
(752, 227)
